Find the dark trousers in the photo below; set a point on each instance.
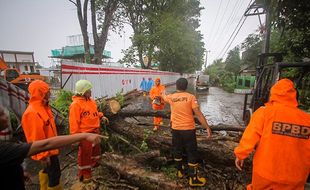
(185, 144)
(53, 172)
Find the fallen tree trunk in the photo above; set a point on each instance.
(219, 152)
(213, 127)
(142, 157)
(151, 158)
(130, 170)
(149, 113)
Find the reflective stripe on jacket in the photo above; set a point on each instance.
(84, 115)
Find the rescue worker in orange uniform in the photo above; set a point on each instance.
(84, 117)
(158, 103)
(183, 105)
(38, 124)
(280, 132)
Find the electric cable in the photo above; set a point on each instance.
(232, 37)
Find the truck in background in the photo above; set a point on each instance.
(202, 82)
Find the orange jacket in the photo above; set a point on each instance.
(281, 132)
(157, 91)
(37, 121)
(84, 115)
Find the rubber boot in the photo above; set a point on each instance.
(43, 179)
(57, 187)
(85, 179)
(194, 179)
(180, 167)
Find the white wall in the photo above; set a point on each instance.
(22, 67)
(110, 80)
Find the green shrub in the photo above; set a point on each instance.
(63, 102)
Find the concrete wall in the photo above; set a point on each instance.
(107, 81)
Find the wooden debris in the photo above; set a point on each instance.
(130, 170)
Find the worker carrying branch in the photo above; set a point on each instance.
(85, 118)
(280, 132)
(183, 105)
(158, 103)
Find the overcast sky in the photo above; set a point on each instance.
(42, 25)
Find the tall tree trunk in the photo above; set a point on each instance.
(150, 56)
(140, 55)
(82, 16)
(100, 40)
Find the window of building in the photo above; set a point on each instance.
(26, 68)
(32, 69)
(247, 83)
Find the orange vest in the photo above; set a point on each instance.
(37, 121)
(281, 132)
(157, 91)
(84, 115)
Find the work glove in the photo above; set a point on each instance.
(105, 120)
(157, 100)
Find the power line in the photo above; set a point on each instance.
(233, 34)
(234, 37)
(231, 18)
(221, 20)
(218, 10)
(242, 17)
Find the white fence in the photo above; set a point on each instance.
(107, 81)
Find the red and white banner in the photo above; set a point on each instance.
(107, 81)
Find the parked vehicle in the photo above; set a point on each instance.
(13, 75)
(202, 82)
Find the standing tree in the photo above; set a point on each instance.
(135, 11)
(233, 61)
(107, 17)
(293, 20)
(251, 47)
(82, 16)
(180, 46)
(167, 32)
(143, 17)
(103, 16)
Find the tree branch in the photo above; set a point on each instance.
(73, 2)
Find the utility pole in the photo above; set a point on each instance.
(267, 27)
(259, 9)
(206, 62)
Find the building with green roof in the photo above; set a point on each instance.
(76, 53)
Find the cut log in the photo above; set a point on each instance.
(130, 170)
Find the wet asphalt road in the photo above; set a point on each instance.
(217, 105)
